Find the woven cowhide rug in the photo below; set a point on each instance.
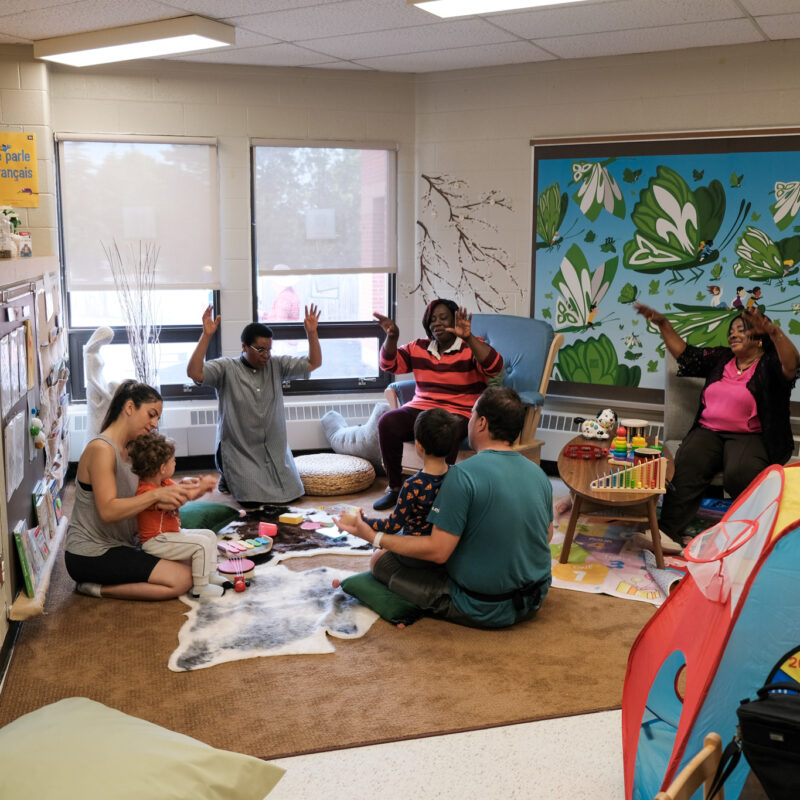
(282, 612)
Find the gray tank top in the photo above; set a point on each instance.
(87, 534)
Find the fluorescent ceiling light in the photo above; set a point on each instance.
(463, 8)
(148, 40)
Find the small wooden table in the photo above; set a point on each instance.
(578, 473)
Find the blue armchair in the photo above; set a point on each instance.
(529, 348)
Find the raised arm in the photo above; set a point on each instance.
(311, 323)
(672, 341)
(195, 367)
(99, 465)
(787, 352)
(392, 335)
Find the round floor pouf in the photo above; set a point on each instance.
(334, 473)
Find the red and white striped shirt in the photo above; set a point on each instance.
(453, 381)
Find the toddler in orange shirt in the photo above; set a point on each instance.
(152, 459)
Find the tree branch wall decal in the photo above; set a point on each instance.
(454, 224)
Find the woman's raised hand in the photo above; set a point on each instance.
(462, 325)
(210, 325)
(759, 324)
(388, 325)
(311, 320)
(650, 314)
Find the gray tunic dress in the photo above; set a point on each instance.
(87, 534)
(251, 433)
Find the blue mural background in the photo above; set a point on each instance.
(662, 229)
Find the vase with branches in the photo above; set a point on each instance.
(134, 272)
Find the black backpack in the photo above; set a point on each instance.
(768, 735)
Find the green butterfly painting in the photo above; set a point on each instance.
(597, 191)
(581, 289)
(676, 226)
(762, 259)
(787, 203)
(550, 212)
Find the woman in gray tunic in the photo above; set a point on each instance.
(103, 554)
(252, 449)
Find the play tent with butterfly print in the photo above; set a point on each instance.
(719, 636)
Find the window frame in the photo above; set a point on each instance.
(327, 330)
(172, 333)
(77, 336)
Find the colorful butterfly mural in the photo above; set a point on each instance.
(676, 226)
(787, 203)
(581, 289)
(762, 259)
(598, 190)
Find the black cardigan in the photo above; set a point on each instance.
(768, 385)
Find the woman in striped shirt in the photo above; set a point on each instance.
(451, 369)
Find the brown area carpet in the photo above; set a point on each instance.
(431, 678)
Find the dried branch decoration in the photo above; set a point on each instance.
(135, 276)
(478, 262)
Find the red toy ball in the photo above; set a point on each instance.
(239, 584)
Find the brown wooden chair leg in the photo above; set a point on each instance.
(654, 532)
(573, 519)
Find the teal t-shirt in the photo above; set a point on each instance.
(501, 505)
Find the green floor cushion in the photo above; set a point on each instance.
(78, 749)
(197, 514)
(381, 599)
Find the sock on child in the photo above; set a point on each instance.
(207, 590)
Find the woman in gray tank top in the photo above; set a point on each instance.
(102, 552)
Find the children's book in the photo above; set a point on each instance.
(21, 538)
(45, 515)
(34, 552)
(52, 489)
(39, 543)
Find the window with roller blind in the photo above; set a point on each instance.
(324, 233)
(131, 194)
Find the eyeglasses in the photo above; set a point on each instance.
(260, 350)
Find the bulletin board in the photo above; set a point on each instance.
(697, 227)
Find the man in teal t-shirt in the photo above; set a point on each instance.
(492, 521)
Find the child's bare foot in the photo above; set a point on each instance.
(336, 583)
(563, 505)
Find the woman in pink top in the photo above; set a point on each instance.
(742, 425)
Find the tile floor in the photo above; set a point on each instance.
(579, 758)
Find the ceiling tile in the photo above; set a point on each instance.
(783, 26)
(613, 16)
(237, 8)
(646, 40)
(459, 58)
(411, 40)
(85, 15)
(273, 55)
(346, 17)
(765, 7)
